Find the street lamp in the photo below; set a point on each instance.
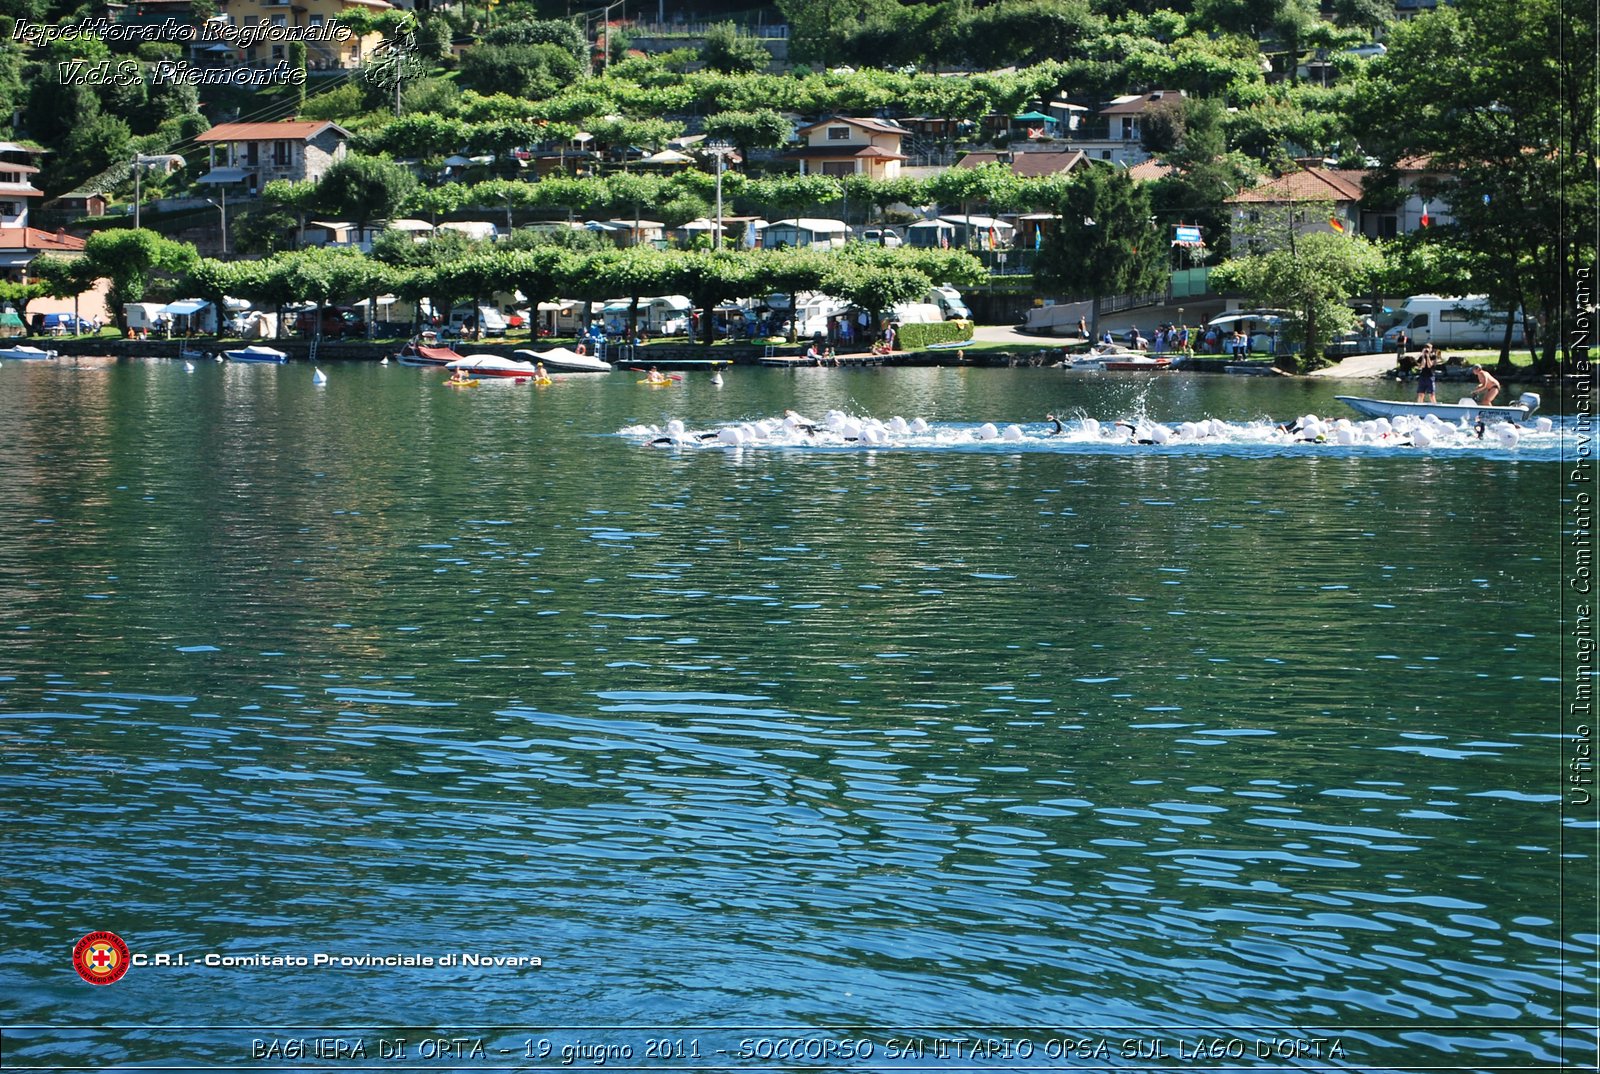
(140, 162)
(222, 207)
(719, 150)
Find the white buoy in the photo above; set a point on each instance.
(1012, 433)
(987, 431)
(318, 376)
(1544, 425)
(918, 426)
(716, 377)
(385, 361)
(188, 367)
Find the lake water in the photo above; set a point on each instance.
(1091, 755)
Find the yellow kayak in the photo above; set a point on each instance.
(460, 384)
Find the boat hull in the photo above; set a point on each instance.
(561, 360)
(492, 365)
(252, 354)
(22, 354)
(1449, 412)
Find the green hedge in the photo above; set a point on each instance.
(914, 337)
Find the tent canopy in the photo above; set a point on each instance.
(187, 307)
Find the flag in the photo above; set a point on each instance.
(1038, 237)
(1426, 220)
(1035, 132)
(1335, 223)
(944, 240)
(994, 238)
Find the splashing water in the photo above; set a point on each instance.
(838, 430)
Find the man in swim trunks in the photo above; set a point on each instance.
(1488, 387)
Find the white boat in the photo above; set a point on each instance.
(416, 353)
(256, 353)
(23, 352)
(1453, 413)
(492, 365)
(1112, 356)
(561, 360)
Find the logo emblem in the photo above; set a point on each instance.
(101, 958)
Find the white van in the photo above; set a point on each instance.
(1455, 322)
(491, 320)
(949, 300)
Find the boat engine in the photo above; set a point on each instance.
(1529, 400)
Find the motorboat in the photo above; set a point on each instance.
(1466, 410)
(1113, 356)
(493, 365)
(562, 360)
(256, 353)
(421, 354)
(23, 352)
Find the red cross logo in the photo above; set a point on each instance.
(101, 958)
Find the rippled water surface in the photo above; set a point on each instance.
(1152, 744)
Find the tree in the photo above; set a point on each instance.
(1107, 243)
(364, 189)
(1514, 124)
(727, 50)
(527, 71)
(760, 129)
(1314, 280)
(128, 258)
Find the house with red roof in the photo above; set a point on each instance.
(841, 146)
(1300, 202)
(20, 245)
(255, 154)
(16, 183)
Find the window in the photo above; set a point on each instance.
(1419, 321)
(316, 20)
(9, 208)
(280, 22)
(838, 167)
(838, 134)
(252, 153)
(10, 177)
(277, 52)
(282, 155)
(1388, 227)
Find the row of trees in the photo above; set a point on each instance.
(453, 271)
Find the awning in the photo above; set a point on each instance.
(16, 260)
(224, 175)
(186, 308)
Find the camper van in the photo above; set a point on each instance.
(465, 319)
(949, 301)
(1454, 322)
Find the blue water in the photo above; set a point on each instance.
(1231, 746)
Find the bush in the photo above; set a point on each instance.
(914, 337)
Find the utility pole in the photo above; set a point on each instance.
(718, 150)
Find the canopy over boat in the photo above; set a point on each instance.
(1467, 411)
(417, 354)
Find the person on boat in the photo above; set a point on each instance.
(655, 376)
(1488, 387)
(1425, 371)
(538, 371)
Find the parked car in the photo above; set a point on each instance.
(875, 236)
(338, 322)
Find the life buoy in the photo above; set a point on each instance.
(580, 349)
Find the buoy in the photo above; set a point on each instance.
(716, 378)
(385, 361)
(1544, 425)
(188, 367)
(318, 376)
(987, 431)
(1012, 433)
